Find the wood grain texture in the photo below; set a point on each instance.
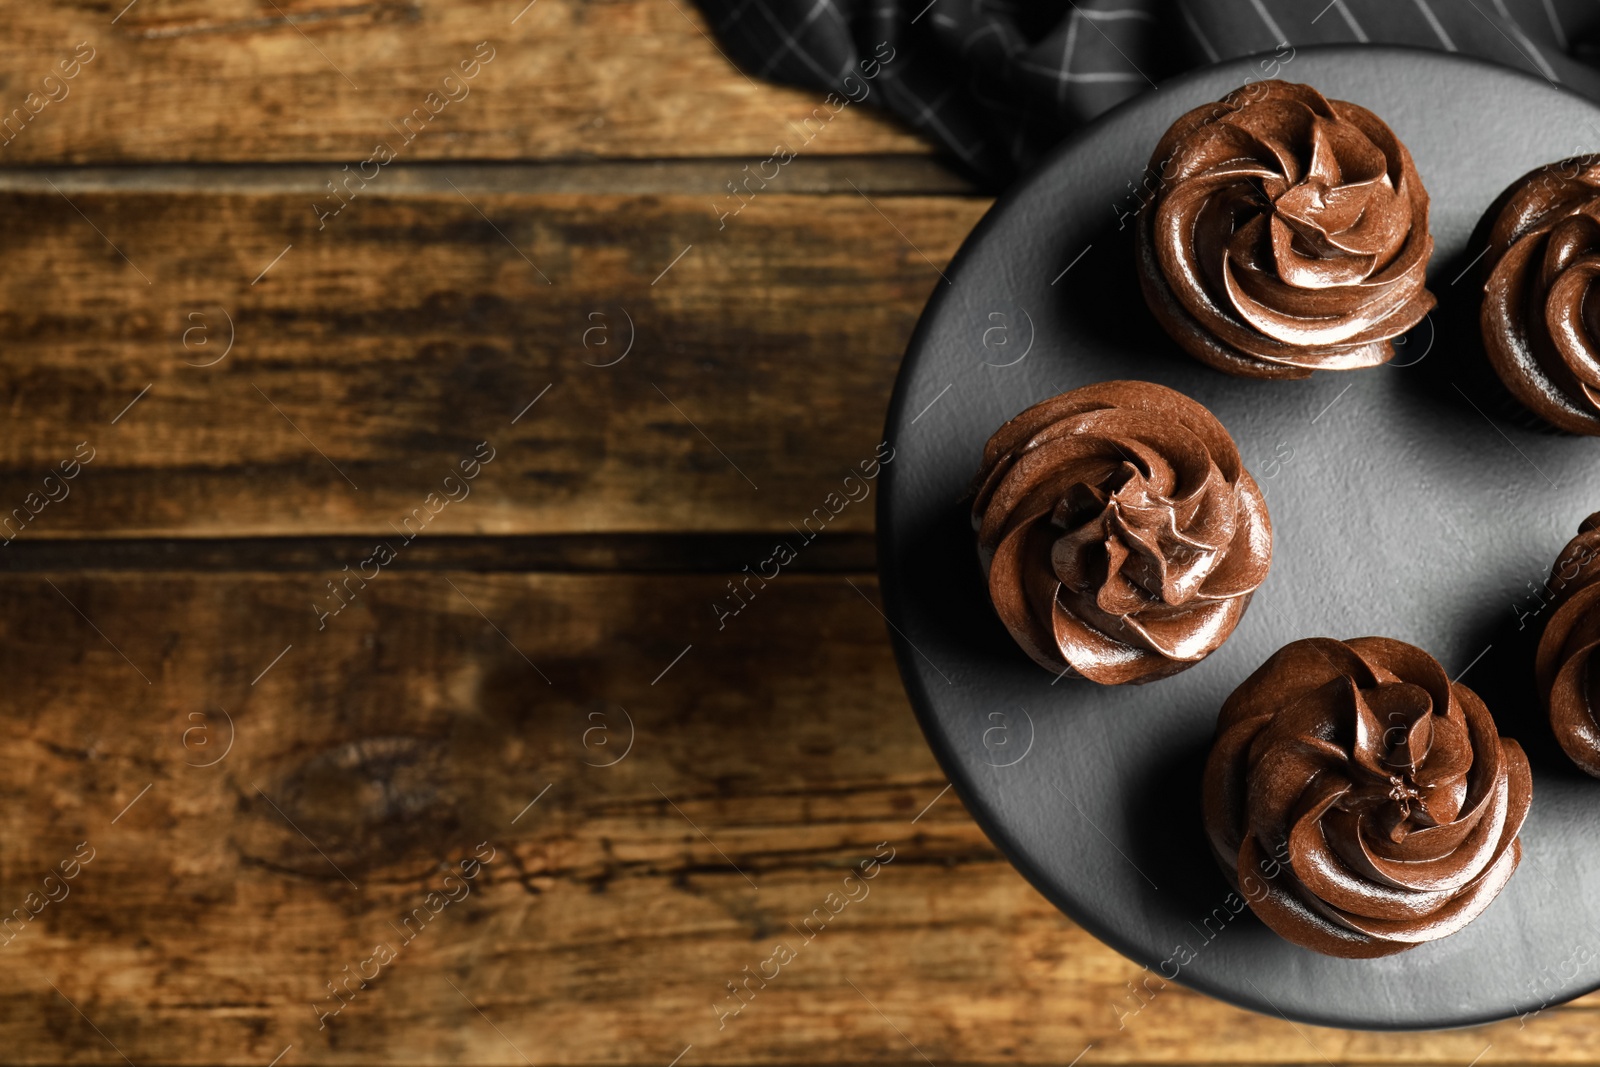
(874, 175)
(370, 356)
(242, 80)
(170, 600)
(767, 763)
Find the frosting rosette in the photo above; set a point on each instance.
(1567, 681)
(1287, 233)
(1121, 534)
(1363, 802)
(1541, 325)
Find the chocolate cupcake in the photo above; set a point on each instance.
(1540, 328)
(1288, 233)
(1121, 534)
(1361, 801)
(1568, 644)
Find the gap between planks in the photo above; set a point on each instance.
(692, 553)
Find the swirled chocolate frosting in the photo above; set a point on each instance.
(1121, 534)
(1287, 233)
(1541, 328)
(1570, 687)
(1362, 802)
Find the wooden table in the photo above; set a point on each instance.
(371, 514)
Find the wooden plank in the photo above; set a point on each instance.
(370, 357)
(220, 899)
(174, 80)
(874, 175)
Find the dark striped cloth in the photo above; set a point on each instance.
(998, 82)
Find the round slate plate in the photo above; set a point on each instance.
(1405, 500)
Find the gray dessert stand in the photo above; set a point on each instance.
(1406, 501)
